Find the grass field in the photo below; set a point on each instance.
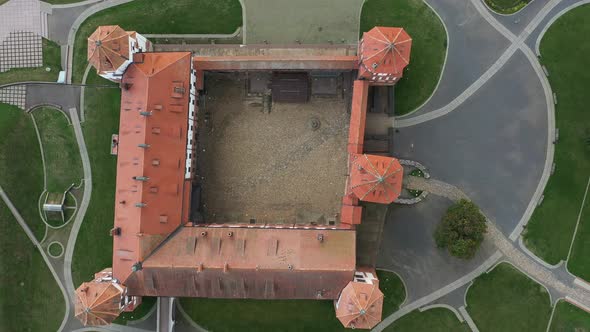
(281, 315)
(21, 168)
(578, 263)
(159, 16)
(507, 6)
(429, 43)
(507, 300)
(30, 298)
(564, 51)
(432, 320)
(62, 158)
(51, 59)
(102, 120)
(569, 318)
(55, 249)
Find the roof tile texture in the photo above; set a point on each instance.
(151, 159)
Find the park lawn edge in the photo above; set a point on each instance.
(550, 230)
(507, 10)
(506, 299)
(128, 16)
(429, 47)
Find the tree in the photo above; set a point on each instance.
(461, 230)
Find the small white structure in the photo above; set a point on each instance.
(53, 208)
(111, 50)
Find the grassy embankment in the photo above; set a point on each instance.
(282, 315)
(564, 50)
(51, 60)
(507, 300)
(159, 16)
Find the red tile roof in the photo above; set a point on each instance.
(384, 52)
(226, 262)
(108, 47)
(376, 179)
(98, 302)
(360, 305)
(151, 159)
(276, 62)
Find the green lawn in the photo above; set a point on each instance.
(578, 263)
(393, 290)
(569, 318)
(507, 300)
(55, 249)
(565, 50)
(62, 158)
(507, 6)
(51, 59)
(432, 320)
(159, 16)
(102, 120)
(21, 168)
(281, 315)
(147, 303)
(30, 298)
(429, 43)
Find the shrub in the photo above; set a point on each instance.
(462, 229)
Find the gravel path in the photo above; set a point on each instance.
(543, 275)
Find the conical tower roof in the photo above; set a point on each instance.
(98, 302)
(375, 179)
(384, 53)
(360, 305)
(108, 48)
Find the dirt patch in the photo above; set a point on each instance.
(286, 166)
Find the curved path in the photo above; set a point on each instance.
(37, 244)
(474, 113)
(76, 24)
(499, 125)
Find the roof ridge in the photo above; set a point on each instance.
(169, 64)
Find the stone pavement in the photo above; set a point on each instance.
(561, 288)
(61, 20)
(434, 186)
(472, 47)
(14, 95)
(21, 29)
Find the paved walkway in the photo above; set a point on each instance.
(562, 287)
(516, 42)
(469, 22)
(76, 24)
(62, 17)
(69, 283)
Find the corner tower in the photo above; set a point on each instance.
(383, 54)
(111, 49)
